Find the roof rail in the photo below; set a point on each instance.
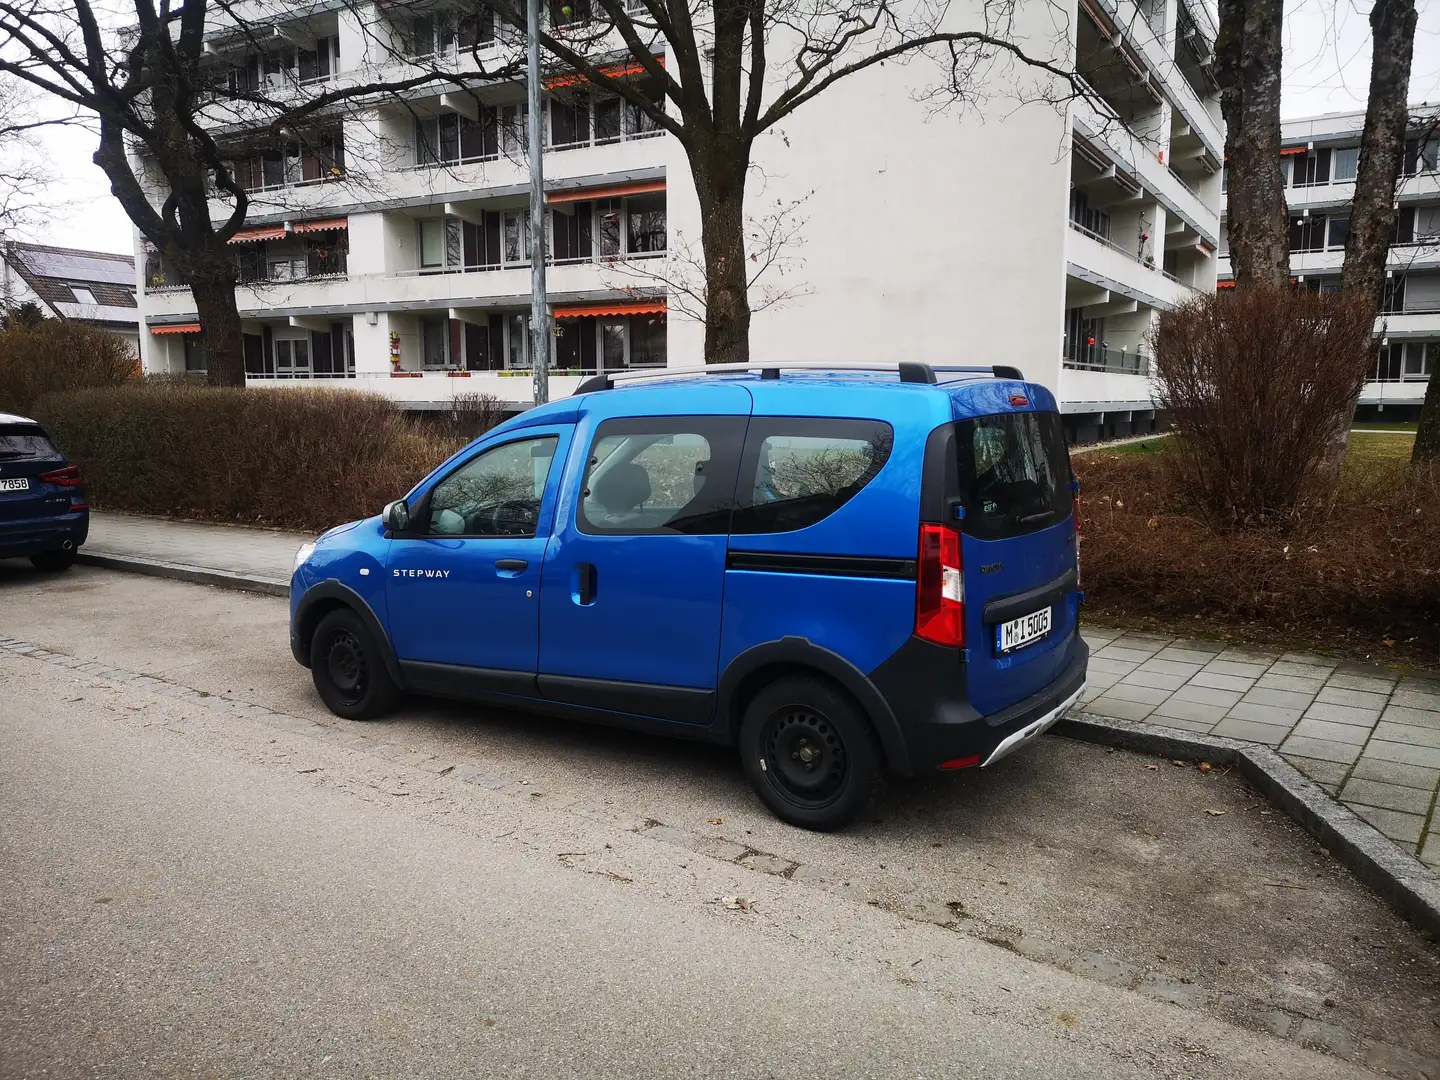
(909, 371)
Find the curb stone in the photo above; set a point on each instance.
(199, 575)
(1399, 879)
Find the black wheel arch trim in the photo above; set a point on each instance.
(332, 590)
(804, 653)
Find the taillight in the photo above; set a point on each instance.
(69, 476)
(940, 587)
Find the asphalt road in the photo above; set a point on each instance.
(189, 886)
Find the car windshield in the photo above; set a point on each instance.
(1014, 473)
(25, 441)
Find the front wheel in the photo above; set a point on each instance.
(810, 753)
(348, 669)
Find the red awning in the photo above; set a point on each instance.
(328, 225)
(614, 191)
(1288, 150)
(622, 307)
(1224, 284)
(614, 71)
(177, 328)
(259, 232)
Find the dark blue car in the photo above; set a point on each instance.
(43, 513)
(845, 573)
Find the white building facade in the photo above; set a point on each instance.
(391, 253)
(1319, 156)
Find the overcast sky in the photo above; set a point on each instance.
(1327, 68)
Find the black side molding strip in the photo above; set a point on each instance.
(1012, 607)
(785, 562)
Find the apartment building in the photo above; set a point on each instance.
(92, 287)
(387, 250)
(1319, 155)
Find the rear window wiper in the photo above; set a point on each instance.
(1034, 519)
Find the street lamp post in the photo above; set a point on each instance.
(539, 305)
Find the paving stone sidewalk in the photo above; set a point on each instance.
(1367, 735)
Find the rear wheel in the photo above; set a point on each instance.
(348, 668)
(52, 561)
(810, 753)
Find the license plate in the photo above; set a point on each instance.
(1026, 630)
(21, 484)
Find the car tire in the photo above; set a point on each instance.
(50, 562)
(349, 669)
(811, 753)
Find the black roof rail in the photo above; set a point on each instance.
(593, 383)
(913, 371)
(1005, 371)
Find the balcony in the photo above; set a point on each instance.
(1100, 261)
(1115, 361)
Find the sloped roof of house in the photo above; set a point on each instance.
(53, 272)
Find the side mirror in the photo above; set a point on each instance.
(396, 517)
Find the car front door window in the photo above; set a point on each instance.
(496, 493)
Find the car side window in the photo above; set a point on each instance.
(797, 471)
(661, 474)
(495, 493)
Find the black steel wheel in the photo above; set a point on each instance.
(348, 668)
(810, 753)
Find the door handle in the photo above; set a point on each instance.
(586, 586)
(515, 565)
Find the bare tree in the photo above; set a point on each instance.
(1247, 67)
(152, 89)
(717, 74)
(23, 166)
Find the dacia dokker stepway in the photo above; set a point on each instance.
(844, 570)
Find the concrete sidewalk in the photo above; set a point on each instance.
(1367, 735)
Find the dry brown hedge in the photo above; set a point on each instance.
(1364, 563)
(53, 356)
(291, 458)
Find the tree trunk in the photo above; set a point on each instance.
(220, 333)
(1382, 148)
(1247, 54)
(720, 185)
(1427, 438)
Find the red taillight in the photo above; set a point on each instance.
(69, 476)
(961, 762)
(940, 587)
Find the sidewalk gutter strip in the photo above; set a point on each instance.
(199, 575)
(1399, 879)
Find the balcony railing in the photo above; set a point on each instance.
(1115, 361)
(1149, 264)
(550, 260)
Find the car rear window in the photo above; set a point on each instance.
(1014, 473)
(25, 441)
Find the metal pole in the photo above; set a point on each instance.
(539, 306)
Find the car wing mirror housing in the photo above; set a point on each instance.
(396, 517)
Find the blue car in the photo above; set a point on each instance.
(845, 571)
(43, 513)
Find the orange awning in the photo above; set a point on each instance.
(614, 71)
(622, 307)
(1224, 284)
(177, 328)
(260, 232)
(328, 225)
(1292, 150)
(640, 187)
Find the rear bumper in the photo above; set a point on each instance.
(36, 535)
(925, 688)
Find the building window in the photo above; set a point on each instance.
(1081, 213)
(434, 341)
(645, 215)
(1393, 300)
(1344, 162)
(194, 356)
(321, 62)
(432, 243)
(568, 13)
(647, 341)
(1339, 233)
(292, 358)
(1307, 233)
(517, 341)
(1421, 157)
(1311, 169)
(1224, 178)
(83, 295)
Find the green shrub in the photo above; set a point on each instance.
(284, 457)
(49, 356)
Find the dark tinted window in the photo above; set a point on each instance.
(25, 441)
(661, 474)
(797, 470)
(1014, 473)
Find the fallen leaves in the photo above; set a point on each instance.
(1215, 813)
(735, 903)
(717, 821)
(1152, 767)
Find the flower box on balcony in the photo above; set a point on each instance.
(406, 374)
(458, 374)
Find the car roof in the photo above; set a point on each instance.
(11, 418)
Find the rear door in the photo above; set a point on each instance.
(1018, 550)
(26, 453)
